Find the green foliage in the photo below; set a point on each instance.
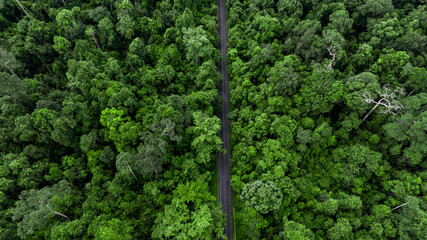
(123, 131)
(110, 229)
(197, 44)
(412, 219)
(108, 117)
(252, 222)
(262, 196)
(193, 214)
(37, 208)
(62, 45)
(206, 130)
(90, 113)
(341, 230)
(293, 230)
(304, 77)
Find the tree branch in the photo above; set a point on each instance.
(23, 9)
(329, 67)
(387, 100)
(400, 206)
(62, 215)
(132, 172)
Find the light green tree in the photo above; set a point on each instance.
(262, 195)
(36, 208)
(206, 141)
(295, 231)
(197, 44)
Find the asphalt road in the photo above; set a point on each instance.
(224, 159)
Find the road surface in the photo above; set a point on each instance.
(224, 159)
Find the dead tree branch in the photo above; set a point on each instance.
(400, 206)
(333, 55)
(132, 172)
(62, 215)
(387, 100)
(23, 9)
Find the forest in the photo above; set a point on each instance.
(329, 118)
(109, 124)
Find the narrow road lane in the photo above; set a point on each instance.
(224, 159)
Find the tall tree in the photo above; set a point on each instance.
(37, 208)
(197, 44)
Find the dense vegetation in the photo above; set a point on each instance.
(329, 121)
(108, 126)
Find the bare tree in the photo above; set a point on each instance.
(388, 101)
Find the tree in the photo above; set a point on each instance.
(36, 208)
(150, 155)
(252, 222)
(123, 131)
(9, 62)
(305, 41)
(341, 21)
(207, 77)
(206, 140)
(374, 8)
(407, 128)
(107, 34)
(193, 214)
(69, 25)
(197, 44)
(412, 219)
(341, 230)
(186, 20)
(268, 27)
(104, 227)
(297, 231)
(390, 66)
(63, 131)
(356, 160)
(329, 207)
(283, 79)
(363, 57)
(262, 196)
(125, 26)
(19, 3)
(291, 8)
(61, 45)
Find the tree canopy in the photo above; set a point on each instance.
(110, 128)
